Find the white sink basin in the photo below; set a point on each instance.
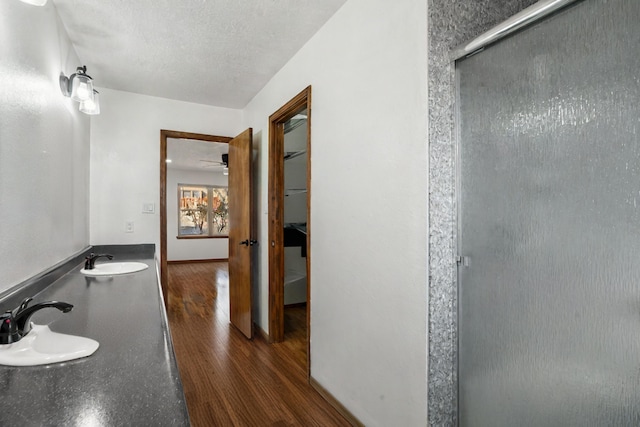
(115, 268)
(42, 346)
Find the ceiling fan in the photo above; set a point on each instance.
(214, 163)
(224, 163)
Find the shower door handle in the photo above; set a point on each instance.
(465, 261)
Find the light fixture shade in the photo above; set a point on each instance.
(35, 2)
(81, 87)
(91, 106)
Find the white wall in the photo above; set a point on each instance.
(125, 159)
(368, 68)
(44, 146)
(191, 249)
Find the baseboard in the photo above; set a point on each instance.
(191, 261)
(335, 403)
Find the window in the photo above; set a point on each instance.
(203, 211)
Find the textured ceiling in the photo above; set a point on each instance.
(215, 52)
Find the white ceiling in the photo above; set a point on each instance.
(191, 154)
(214, 52)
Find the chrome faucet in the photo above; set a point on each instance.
(90, 261)
(16, 323)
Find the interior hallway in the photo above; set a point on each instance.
(227, 379)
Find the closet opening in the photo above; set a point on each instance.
(289, 225)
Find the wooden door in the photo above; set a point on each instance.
(240, 233)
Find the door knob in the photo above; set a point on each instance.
(245, 242)
(253, 242)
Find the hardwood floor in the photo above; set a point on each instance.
(229, 380)
(295, 334)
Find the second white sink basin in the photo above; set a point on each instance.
(115, 268)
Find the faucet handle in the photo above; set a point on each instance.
(89, 262)
(8, 329)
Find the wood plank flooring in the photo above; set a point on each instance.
(227, 379)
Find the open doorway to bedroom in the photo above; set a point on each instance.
(192, 181)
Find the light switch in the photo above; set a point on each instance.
(148, 208)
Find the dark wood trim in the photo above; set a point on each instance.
(335, 403)
(276, 230)
(164, 277)
(201, 237)
(308, 105)
(198, 136)
(164, 134)
(192, 261)
(276, 215)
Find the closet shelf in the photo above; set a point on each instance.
(294, 191)
(288, 155)
(300, 226)
(295, 234)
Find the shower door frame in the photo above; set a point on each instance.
(460, 53)
(448, 28)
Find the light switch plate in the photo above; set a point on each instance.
(148, 208)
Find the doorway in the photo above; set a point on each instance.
(289, 212)
(179, 137)
(240, 213)
(549, 219)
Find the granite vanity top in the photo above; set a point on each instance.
(132, 379)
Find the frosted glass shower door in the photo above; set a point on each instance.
(549, 223)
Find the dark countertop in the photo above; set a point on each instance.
(132, 379)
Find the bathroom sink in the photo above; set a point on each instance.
(115, 268)
(42, 346)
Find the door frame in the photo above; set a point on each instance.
(277, 120)
(164, 134)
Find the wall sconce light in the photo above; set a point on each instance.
(91, 106)
(79, 86)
